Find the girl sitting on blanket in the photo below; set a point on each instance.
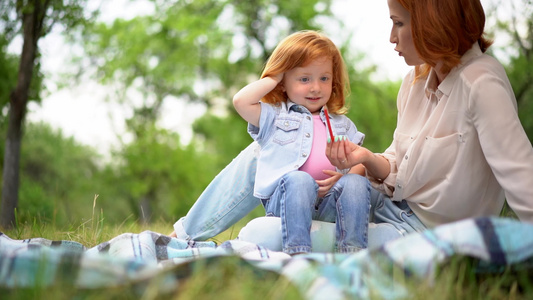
(287, 111)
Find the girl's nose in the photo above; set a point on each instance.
(315, 86)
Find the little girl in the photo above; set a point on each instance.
(286, 113)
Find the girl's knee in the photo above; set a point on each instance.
(299, 179)
(355, 182)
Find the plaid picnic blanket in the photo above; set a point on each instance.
(134, 259)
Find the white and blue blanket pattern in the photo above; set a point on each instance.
(129, 258)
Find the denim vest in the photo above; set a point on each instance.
(285, 134)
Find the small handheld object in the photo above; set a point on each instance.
(329, 124)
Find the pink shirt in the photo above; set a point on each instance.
(317, 160)
(459, 149)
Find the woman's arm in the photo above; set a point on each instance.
(246, 101)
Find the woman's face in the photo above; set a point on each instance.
(401, 33)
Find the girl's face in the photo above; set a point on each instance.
(401, 33)
(311, 84)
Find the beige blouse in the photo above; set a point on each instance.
(459, 148)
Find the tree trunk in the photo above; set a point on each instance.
(32, 24)
(10, 183)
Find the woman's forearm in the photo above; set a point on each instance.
(377, 166)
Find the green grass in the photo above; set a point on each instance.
(227, 278)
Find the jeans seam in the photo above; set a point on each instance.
(219, 217)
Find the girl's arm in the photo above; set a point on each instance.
(246, 101)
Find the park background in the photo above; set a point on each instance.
(130, 114)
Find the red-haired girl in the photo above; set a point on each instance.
(285, 109)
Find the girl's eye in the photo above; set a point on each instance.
(325, 78)
(304, 79)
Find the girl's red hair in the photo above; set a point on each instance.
(443, 30)
(297, 50)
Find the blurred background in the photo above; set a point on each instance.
(129, 108)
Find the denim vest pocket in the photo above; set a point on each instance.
(286, 130)
(340, 129)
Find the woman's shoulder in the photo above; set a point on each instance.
(483, 66)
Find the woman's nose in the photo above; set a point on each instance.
(393, 39)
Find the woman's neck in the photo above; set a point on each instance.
(440, 75)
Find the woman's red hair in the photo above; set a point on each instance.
(443, 30)
(299, 49)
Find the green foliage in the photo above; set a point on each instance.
(69, 13)
(520, 67)
(372, 105)
(8, 71)
(520, 73)
(56, 176)
(224, 137)
(157, 168)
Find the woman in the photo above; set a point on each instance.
(459, 149)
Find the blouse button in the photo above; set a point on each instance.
(399, 186)
(307, 135)
(406, 157)
(286, 124)
(304, 154)
(308, 118)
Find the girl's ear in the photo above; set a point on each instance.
(282, 86)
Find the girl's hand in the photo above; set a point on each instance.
(278, 78)
(325, 185)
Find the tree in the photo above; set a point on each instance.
(33, 19)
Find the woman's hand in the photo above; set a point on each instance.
(325, 185)
(344, 154)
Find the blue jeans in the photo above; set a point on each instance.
(226, 200)
(229, 198)
(390, 220)
(347, 204)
